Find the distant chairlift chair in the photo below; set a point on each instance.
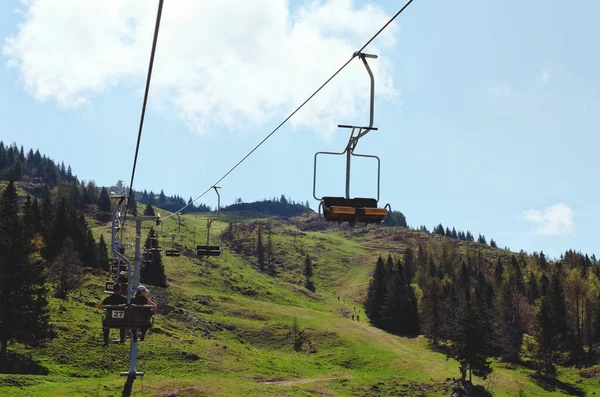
(210, 250)
(346, 209)
(173, 251)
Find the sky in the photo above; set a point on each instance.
(486, 110)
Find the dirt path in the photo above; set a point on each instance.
(289, 383)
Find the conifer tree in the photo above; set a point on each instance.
(65, 270)
(16, 173)
(154, 272)
(149, 210)
(23, 297)
(260, 249)
(102, 254)
(308, 273)
(104, 201)
(409, 265)
(432, 302)
(132, 205)
(162, 199)
(546, 337)
(270, 262)
(60, 229)
(376, 293)
(89, 255)
(471, 344)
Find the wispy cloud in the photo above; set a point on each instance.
(543, 77)
(552, 221)
(218, 63)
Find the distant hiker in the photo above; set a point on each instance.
(142, 299)
(115, 299)
(338, 298)
(353, 317)
(357, 318)
(354, 308)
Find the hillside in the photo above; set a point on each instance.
(224, 327)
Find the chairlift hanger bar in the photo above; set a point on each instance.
(400, 11)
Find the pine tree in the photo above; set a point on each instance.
(145, 197)
(149, 210)
(376, 293)
(481, 239)
(162, 199)
(16, 173)
(432, 301)
(132, 205)
(89, 255)
(60, 228)
(3, 159)
(270, 262)
(104, 201)
(154, 272)
(23, 301)
(439, 229)
(260, 249)
(308, 273)
(65, 270)
(546, 336)
(471, 344)
(102, 254)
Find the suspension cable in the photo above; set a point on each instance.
(295, 111)
(137, 146)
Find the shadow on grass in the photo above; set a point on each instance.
(128, 386)
(550, 384)
(23, 365)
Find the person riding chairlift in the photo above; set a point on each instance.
(114, 299)
(141, 298)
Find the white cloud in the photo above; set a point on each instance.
(218, 63)
(552, 221)
(543, 77)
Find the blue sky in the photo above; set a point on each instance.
(487, 111)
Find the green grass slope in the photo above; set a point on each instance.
(224, 327)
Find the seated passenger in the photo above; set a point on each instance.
(141, 298)
(115, 299)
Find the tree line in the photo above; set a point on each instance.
(479, 303)
(275, 206)
(457, 235)
(39, 241)
(16, 165)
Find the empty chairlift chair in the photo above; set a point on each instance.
(210, 250)
(346, 209)
(173, 251)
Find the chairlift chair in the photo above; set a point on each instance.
(173, 251)
(128, 316)
(108, 285)
(358, 209)
(210, 250)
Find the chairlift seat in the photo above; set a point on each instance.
(172, 253)
(128, 316)
(208, 250)
(353, 210)
(108, 287)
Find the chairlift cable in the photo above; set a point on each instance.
(137, 147)
(295, 111)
